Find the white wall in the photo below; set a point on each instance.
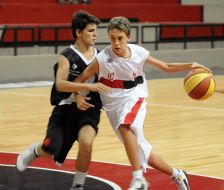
(40, 67)
(26, 68)
(211, 58)
(214, 13)
(201, 2)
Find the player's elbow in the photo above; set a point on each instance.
(166, 69)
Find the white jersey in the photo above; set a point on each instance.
(113, 67)
(126, 105)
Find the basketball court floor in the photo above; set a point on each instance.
(185, 132)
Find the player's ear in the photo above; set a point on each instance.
(78, 32)
(129, 38)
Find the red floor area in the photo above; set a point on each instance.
(121, 174)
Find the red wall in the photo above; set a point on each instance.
(28, 1)
(40, 12)
(56, 13)
(196, 31)
(137, 1)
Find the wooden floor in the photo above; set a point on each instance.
(188, 134)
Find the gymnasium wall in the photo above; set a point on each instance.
(27, 1)
(57, 14)
(201, 2)
(136, 1)
(213, 10)
(40, 67)
(214, 13)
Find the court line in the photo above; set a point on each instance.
(25, 94)
(106, 162)
(185, 107)
(26, 84)
(48, 83)
(112, 184)
(151, 104)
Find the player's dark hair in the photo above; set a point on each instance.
(80, 20)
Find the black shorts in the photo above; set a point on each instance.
(63, 128)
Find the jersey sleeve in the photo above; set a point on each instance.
(144, 53)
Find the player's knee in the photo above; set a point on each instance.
(153, 158)
(123, 128)
(86, 146)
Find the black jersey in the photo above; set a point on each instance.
(77, 66)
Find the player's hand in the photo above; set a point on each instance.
(82, 103)
(99, 87)
(199, 66)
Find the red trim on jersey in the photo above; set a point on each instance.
(130, 117)
(112, 83)
(126, 84)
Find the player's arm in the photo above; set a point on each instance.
(173, 67)
(62, 83)
(219, 90)
(82, 102)
(89, 72)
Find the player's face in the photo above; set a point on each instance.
(88, 35)
(118, 40)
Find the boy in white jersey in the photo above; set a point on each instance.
(120, 67)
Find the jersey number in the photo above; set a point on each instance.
(110, 76)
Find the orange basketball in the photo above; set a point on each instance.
(199, 84)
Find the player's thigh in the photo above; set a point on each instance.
(90, 116)
(88, 124)
(55, 134)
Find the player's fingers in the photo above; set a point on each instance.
(87, 98)
(103, 88)
(207, 69)
(83, 107)
(88, 105)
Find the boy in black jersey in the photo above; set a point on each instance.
(75, 116)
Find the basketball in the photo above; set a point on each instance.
(199, 84)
